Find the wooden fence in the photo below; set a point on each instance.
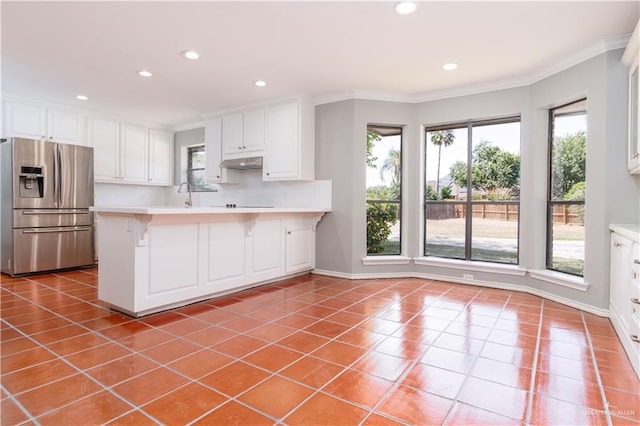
(562, 213)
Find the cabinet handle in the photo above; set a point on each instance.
(217, 177)
(635, 300)
(636, 261)
(289, 232)
(617, 245)
(244, 147)
(239, 147)
(635, 338)
(268, 173)
(636, 155)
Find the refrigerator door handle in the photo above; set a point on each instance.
(56, 177)
(60, 175)
(56, 212)
(55, 230)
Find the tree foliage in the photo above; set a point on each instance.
(569, 158)
(380, 218)
(372, 138)
(441, 138)
(491, 168)
(391, 165)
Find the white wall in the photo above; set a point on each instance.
(612, 194)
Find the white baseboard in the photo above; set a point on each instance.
(524, 289)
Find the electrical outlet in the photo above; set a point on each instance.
(467, 276)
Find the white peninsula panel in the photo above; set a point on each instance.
(156, 258)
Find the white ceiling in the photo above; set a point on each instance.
(52, 51)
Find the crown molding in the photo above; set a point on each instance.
(569, 61)
(189, 126)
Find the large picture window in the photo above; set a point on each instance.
(566, 191)
(472, 190)
(384, 190)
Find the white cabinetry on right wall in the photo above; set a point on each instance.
(624, 296)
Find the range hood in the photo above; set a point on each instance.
(242, 163)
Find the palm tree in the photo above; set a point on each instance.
(440, 138)
(392, 164)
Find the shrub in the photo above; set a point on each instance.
(380, 218)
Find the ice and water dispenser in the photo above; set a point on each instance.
(31, 182)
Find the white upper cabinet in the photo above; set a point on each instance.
(160, 158)
(104, 137)
(213, 150)
(134, 154)
(289, 145)
(631, 59)
(243, 134)
(123, 153)
(36, 122)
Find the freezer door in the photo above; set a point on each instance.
(46, 249)
(75, 170)
(32, 170)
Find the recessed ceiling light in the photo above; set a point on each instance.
(260, 83)
(450, 67)
(82, 97)
(144, 73)
(405, 7)
(190, 54)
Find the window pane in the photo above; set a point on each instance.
(567, 187)
(445, 229)
(384, 178)
(446, 164)
(196, 178)
(495, 232)
(567, 239)
(569, 152)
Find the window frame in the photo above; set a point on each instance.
(550, 202)
(398, 201)
(469, 202)
(191, 151)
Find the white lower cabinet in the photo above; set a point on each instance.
(222, 254)
(624, 306)
(150, 263)
(300, 247)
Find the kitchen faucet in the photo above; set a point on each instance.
(187, 202)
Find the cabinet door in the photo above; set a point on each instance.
(222, 264)
(65, 127)
(134, 154)
(232, 135)
(265, 257)
(620, 279)
(213, 150)
(160, 158)
(25, 121)
(299, 249)
(282, 154)
(104, 137)
(253, 131)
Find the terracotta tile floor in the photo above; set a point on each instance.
(311, 350)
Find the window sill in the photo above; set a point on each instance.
(565, 280)
(471, 266)
(386, 260)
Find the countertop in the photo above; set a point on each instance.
(626, 230)
(180, 210)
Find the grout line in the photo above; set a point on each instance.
(603, 395)
(534, 368)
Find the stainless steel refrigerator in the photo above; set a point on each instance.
(46, 190)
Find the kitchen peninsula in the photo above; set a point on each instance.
(156, 258)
